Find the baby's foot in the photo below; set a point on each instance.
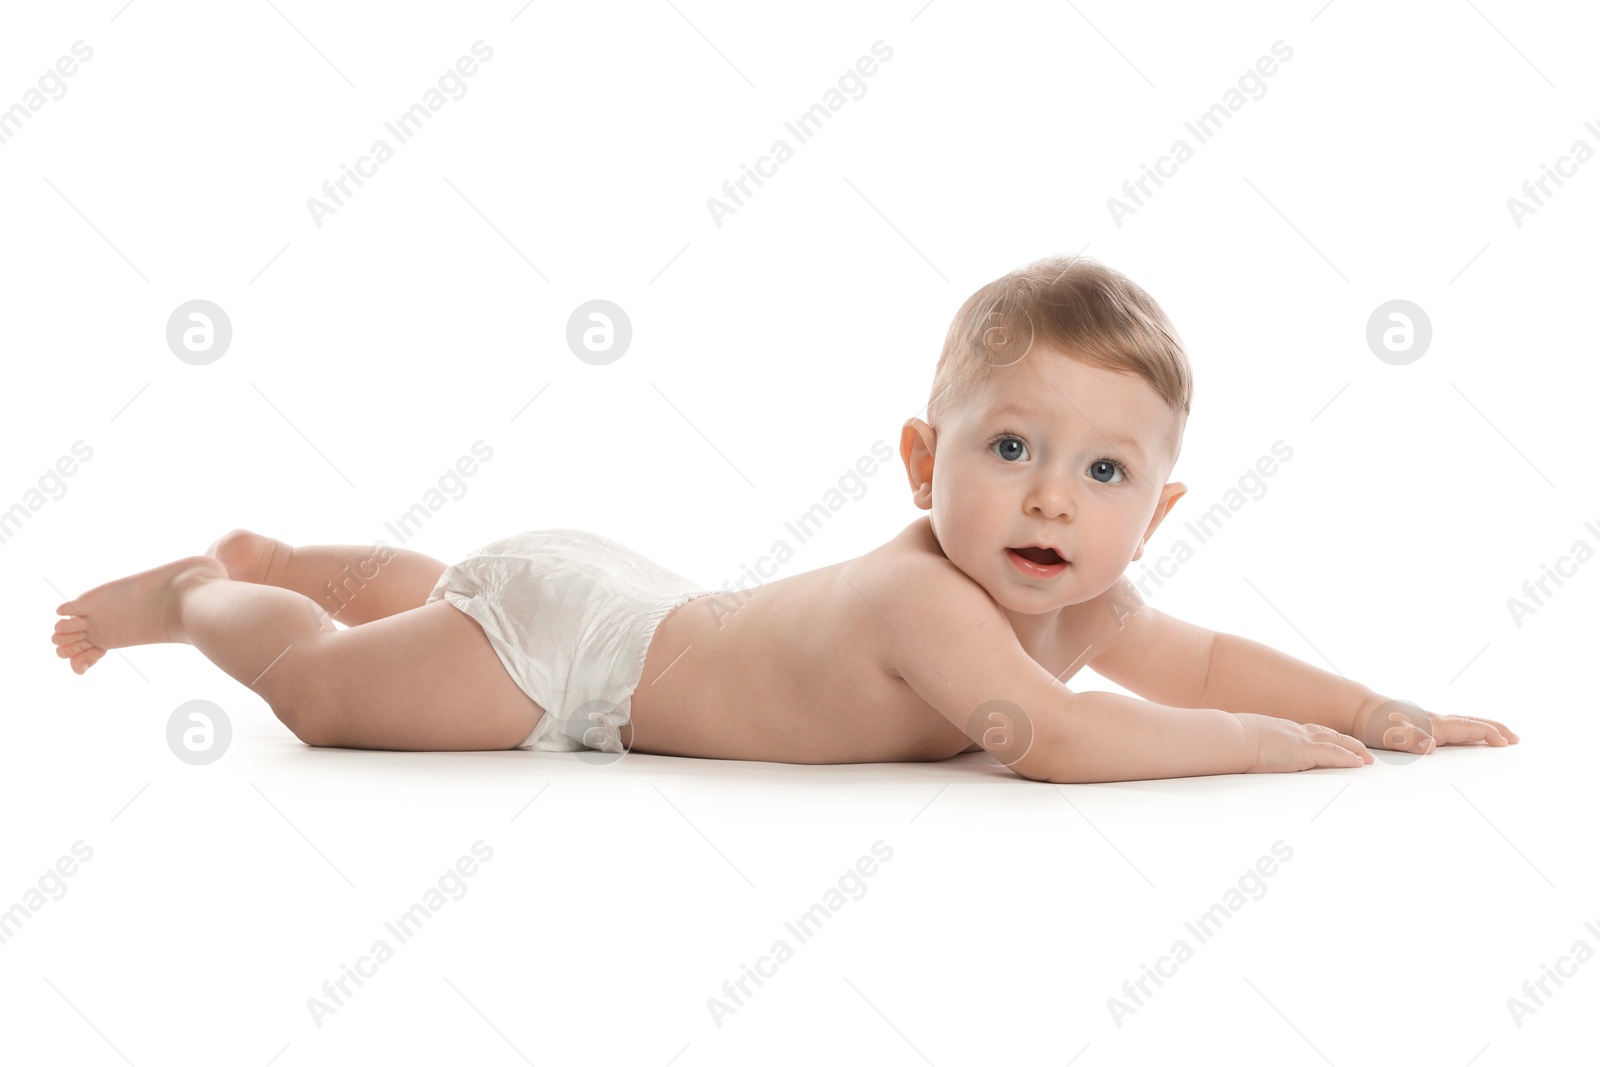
(250, 557)
(136, 610)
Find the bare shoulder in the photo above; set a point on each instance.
(922, 603)
(949, 641)
(910, 574)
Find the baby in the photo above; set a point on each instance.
(1056, 416)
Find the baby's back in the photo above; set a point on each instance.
(795, 671)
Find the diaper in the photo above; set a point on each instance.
(570, 614)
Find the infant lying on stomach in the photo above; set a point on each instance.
(1056, 416)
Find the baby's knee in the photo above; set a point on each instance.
(311, 716)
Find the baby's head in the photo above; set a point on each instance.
(1057, 414)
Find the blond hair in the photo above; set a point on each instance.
(1079, 307)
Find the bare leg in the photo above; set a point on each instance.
(424, 679)
(354, 584)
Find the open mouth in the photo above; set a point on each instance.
(1042, 556)
(1037, 561)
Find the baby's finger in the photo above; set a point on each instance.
(1456, 729)
(1511, 738)
(1351, 743)
(1334, 754)
(1405, 736)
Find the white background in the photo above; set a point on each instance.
(769, 354)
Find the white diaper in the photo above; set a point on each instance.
(570, 614)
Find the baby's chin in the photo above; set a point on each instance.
(1022, 597)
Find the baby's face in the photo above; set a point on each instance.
(1056, 453)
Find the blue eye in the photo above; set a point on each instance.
(1012, 442)
(1006, 438)
(1117, 468)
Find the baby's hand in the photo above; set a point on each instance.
(1401, 726)
(1286, 745)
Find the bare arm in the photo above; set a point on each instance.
(1166, 659)
(955, 648)
(1109, 737)
(1247, 676)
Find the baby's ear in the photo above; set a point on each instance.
(1170, 494)
(916, 452)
